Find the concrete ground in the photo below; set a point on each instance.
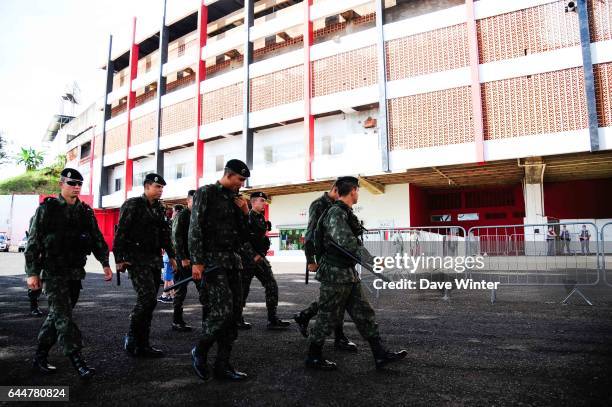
(526, 349)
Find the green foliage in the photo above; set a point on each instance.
(44, 181)
(31, 158)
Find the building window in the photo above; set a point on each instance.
(292, 239)
(331, 146)
(148, 64)
(121, 79)
(219, 162)
(117, 186)
(139, 178)
(467, 216)
(181, 49)
(85, 150)
(269, 154)
(181, 171)
(440, 218)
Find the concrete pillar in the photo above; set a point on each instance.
(533, 186)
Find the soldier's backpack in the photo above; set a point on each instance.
(319, 235)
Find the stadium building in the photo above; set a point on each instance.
(451, 112)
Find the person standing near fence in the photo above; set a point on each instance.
(565, 240)
(585, 237)
(551, 236)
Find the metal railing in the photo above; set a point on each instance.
(550, 254)
(604, 250)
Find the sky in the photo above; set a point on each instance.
(45, 45)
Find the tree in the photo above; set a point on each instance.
(3, 154)
(31, 158)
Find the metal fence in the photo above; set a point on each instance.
(605, 252)
(551, 254)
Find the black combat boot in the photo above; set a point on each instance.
(33, 296)
(178, 323)
(342, 342)
(242, 324)
(302, 320)
(41, 363)
(80, 366)
(382, 356)
(223, 370)
(275, 323)
(199, 355)
(315, 360)
(146, 350)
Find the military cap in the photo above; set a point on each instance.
(158, 179)
(238, 167)
(72, 174)
(191, 193)
(259, 194)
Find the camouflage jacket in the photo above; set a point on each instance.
(342, 226)
(317, 207)
(180, 234)
(258, 227)
(60, 238)
(142, 232)
(218, 231)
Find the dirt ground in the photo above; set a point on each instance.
(526, 349)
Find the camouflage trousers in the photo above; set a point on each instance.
(221, 297)
(181, 292)
(313, 309)
(62, 296)
(264, 274)
(146, 281)
(334, 298)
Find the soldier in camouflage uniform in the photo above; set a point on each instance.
(217, 234)
(340, 284)
(258, 227)
(62, 233)
(317, 208)
(180, 237)
(141, 235)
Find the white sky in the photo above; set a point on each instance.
(47, 44)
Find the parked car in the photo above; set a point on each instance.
(4, 243)
(22, 244)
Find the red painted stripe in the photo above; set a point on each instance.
(308, 117)
(200, 76)
(475, 76)
(129, 165)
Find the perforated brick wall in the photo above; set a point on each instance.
(429, 52)
(600, 20)
(529, 31)
(603, 92)
(143, 129)
(277, 88)
(343, 72)
(222, 103)
(115, 138)
(544, 103)
(179, 117)
(431, 119)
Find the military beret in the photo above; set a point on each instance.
(259, 194)
(191, 193)
(72, 174)
(238, 167)
(155, 178)
(348, 179)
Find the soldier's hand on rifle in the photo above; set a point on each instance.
(312, 267)
(108, 274)
(257, 258)
(34, 283)
(121, 267)
(242, 204)
(196, 271)
(173, 264)
(185, 262)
